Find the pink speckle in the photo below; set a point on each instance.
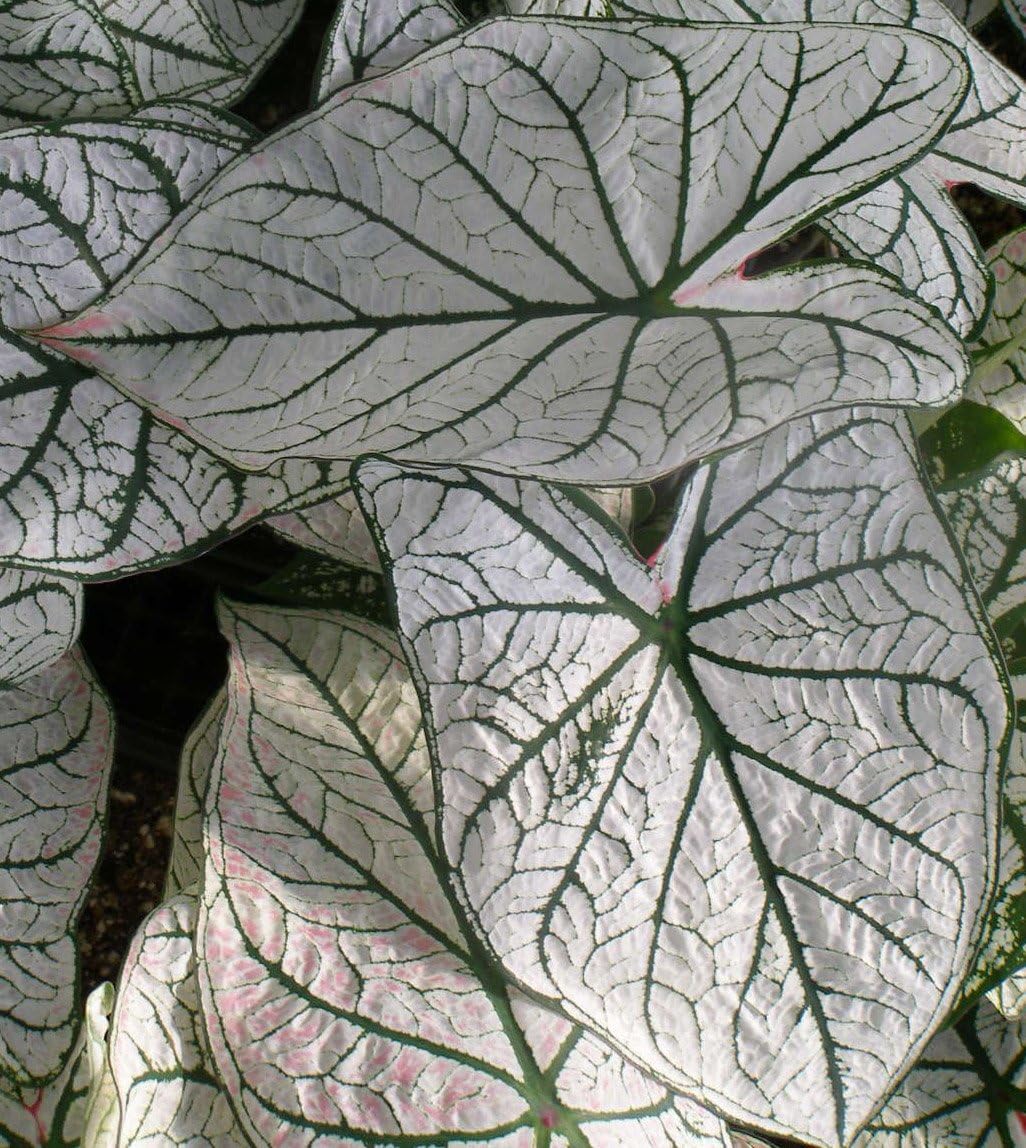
(665, 591)
(90, 323)
(33, 1111)
(689, 291)
(653, 558)
(547, 1118)
(79, 354)
(1020, 1119)
(951, 184)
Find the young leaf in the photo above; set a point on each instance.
(55, 753)
(735, 812)
(910, 227)
(74, 1110)
(968, 1089)
(80, 200)
(345, 998)
(159, 1060)
(999, 376)
(369, 37)
(400, 271)
(40, 617)
(77, 58)
(91, 484)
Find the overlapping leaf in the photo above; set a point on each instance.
(490, 256)
(78, 202)
(65, 58)
(987, 513)
(55, 752)
(159, 1061)
(346, 997)
(999, 379)
(40, 617)
(368, 38)
(736, 811)
(969, 1089)
(77, 1109)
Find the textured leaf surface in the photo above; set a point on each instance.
(159, 1061)
(984, 143)
(64, 1113)
(64, 58)
(368, 37)
(90, 483)
(999, 380)
(966, 1092)
(40, 617)
(457, 304)
(55, 753)
(972, 12)
(346, 997)
(910, 227)
(79, 201)
(707, 805)
(987, 513)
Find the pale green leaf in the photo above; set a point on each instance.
(533, 280)
(346, 1000)
(736, 811)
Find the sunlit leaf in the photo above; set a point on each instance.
(55, 753)
(736, 810)
(344, 995)
(966, 1092)
(533, 278)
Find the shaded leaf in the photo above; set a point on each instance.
(707, 806)
(999, 374)
(40, 617)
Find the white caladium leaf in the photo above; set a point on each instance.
(1009, 997)
(969, 1089)
(345, 998)
(458, 306)
(337, 529)
(370, 37)
(55, 754)
(90, 483)
(984, 143)
(78, 58)
(187, 854)
(987, 513)
(65, 1113)
(972, 12)
(159, 1061)
(999, 379)
(706, 805)
(40, 618)
(79, 201)
(910, 227)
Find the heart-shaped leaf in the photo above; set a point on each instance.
(76, 58)
(345, 997)
(55, 753)
(368, 38)
(459, 305)
(708, 806)
(968, 1089)
(40, 617)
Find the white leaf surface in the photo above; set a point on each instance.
(910, 227)
(972, 12)
(370, 37)
(91, 484)
(78, 58)
(458, 305)
(80, 200)
(1000, 380)
(968, 1090)
(159, 1062)
(55, 753)
(707, 806)
(345, 999)
(40, 618)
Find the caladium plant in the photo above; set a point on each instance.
(501, 832)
